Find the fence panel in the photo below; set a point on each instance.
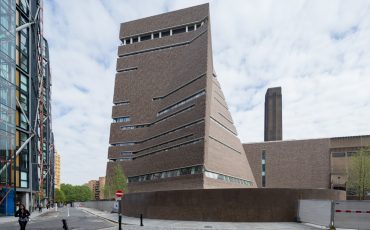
(352, 214)
(315, 212)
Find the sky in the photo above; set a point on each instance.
(317, 51)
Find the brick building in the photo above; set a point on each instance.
(311, 163)
(97, 188)
(171, 127)
(57, 170)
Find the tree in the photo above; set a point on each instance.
(83, 193)
(75, 193)
(59, 196)
(359, 173)
(69, 192)
(116, 181)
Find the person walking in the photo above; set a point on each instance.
(23, 215)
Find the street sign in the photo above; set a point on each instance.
(119, 193)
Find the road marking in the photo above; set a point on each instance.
(68, 210)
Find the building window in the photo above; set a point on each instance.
(121, 119)
(24, 83)
(167, 174)
(179, 30)
(263, 161)
(146, 37)
(122, 103)
(23, 122)
(24, 179)
(180, 103)
(165, 33)
(218, 176)
(124, 144)
(23, 139)
(339, 154)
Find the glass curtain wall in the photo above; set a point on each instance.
(22, 93)
(7, 88)
(7, 96)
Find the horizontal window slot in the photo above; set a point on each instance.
(121, 119)
(182, 102)
(180, 87)
(162, 47)
(219, 176)
(219, 102)
(121, 102)
(124, 144)
(163, 143)
(226, 118)
(198, 169)
(129, 127)
(169, 31)
(175, 113)
(219, 94)
(127, 69)
(225, 144)
(195, 141)
(145, 37)
(179, 30)
(223, 126)
(162, 134)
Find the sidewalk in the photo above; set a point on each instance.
(154, 224)
(34, 214)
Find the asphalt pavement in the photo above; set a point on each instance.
(52, 220)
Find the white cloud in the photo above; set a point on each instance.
(317, 51)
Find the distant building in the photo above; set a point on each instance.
(273, 115)
(57, 170)
(311, 163)
(101, 187)
(97, 188)
(172, 128)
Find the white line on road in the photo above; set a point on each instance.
(68, 210)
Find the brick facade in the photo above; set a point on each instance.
(312, 163)
(178, 117)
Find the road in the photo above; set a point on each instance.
(52, 220)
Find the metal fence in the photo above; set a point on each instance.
(342, 214)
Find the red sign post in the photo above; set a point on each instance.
(119, 193)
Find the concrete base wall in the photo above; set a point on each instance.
(106, 205)
(254, 204)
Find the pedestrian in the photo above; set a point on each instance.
(23, 215)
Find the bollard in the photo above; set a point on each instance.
(119, 222)
(141, 220)
(65, 226)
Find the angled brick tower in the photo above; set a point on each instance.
(171, 125)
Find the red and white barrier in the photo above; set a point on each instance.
(352, 211)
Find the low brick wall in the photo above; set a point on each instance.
(247, 205)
